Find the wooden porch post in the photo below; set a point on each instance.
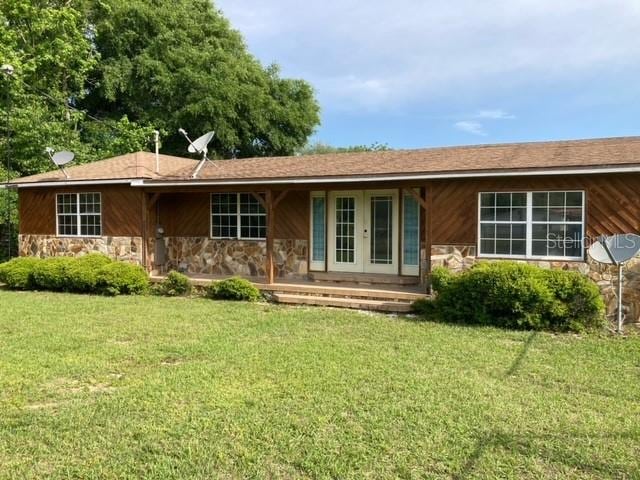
(145, 233)
(269, 270)
(427, 232)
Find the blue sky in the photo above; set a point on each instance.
(429, 73)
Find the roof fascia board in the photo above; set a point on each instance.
(435, 176)
(66, 183)
(374, 178)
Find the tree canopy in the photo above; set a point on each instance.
(319, 148)
(139, 65)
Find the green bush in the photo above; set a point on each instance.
(176, 284)
(122, 278)
(581, 306)
(519, 295)
(52, 274)
(440, 278)
(82, 272)
(424, 306)
(17, 273)
(93, 273)
(233, 289)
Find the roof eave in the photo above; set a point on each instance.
(145, 182)
(395, 177)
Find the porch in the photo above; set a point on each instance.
(386, 293)
(351, 238)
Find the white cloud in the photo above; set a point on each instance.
(497, 114)
(471, 126)
(383, 55)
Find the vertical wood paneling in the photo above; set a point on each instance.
(121, 210)
(187, 214)
(613, 203)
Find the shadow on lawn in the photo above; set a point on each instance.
(523, 353)
(547, 447)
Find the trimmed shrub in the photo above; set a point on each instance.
(440, 278)
(233, 288)
(82, 273)
(17, 272)
(424, 307)
(519, 295)
(176, 284)
(93, 273)
(52, 274)
(580, 303)
(118, 278)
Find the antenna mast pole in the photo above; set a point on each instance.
(156, 140)
(8, 71)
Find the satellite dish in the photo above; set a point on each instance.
(198, 146)
(201, 143)
(616, 250)
(60, 159)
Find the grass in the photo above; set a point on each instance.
(148, 387)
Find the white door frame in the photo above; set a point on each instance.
(357, 264)
(387, 268)
(362, 231)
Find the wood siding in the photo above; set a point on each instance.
(121, 210)
(187, 215)
(612, 203)
(292, 216)
(613, 206)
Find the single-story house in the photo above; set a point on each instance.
(371, 215)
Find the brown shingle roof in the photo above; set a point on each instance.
(624, 151)
(129, 166)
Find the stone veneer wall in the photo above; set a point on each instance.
(120, 248)
(461, 257)
(235, 257)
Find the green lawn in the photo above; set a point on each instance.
(133, 387)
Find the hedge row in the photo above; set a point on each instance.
(93, 273)
(516, 295)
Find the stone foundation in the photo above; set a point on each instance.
(235, 257)
(120, 248)
(461, 257)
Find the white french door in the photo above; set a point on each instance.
(363, 231)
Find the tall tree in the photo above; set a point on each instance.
(178, 63)
(48, 42)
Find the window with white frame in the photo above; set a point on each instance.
(237, 215)
(546, 225)
(79, 214)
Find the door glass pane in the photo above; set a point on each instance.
(345, 228)
(381, 230)
(410, 231)
(318, 207)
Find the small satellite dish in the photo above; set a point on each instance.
(616, 250)
(198, 146)
(600, 254)
(60, 159)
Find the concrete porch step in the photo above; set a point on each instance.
(356, 303)
(316, 289)
(364, 278)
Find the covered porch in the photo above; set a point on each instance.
(290, 232)
(339, 245)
